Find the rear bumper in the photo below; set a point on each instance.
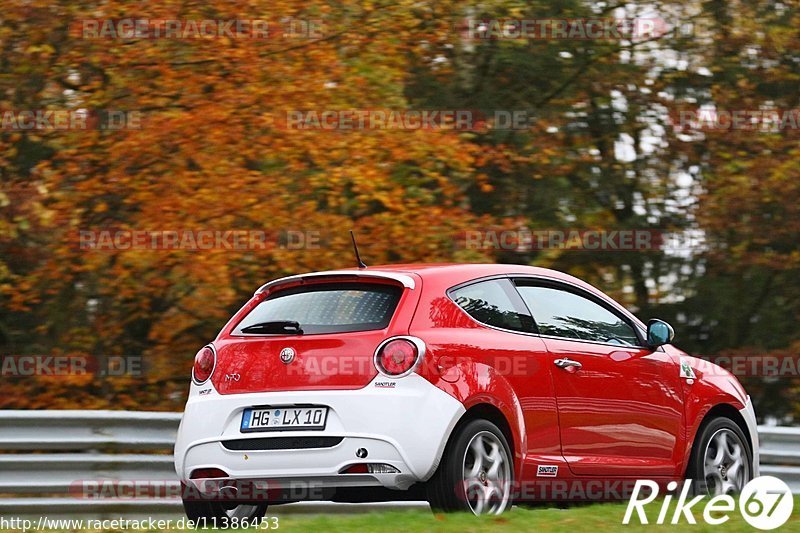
(749, 415)
(406, 426)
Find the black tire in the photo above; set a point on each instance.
(452, 490)
(713, 468)
(215, 514)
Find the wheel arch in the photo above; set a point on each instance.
(494, 415)
(480, 409)
(725, 410)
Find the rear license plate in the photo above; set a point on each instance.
(283, 418)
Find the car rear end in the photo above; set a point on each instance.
(312, 385)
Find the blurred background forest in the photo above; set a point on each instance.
(604, 152)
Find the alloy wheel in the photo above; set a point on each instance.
(726, 467)
(487, 474)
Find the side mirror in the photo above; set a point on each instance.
(659, 333)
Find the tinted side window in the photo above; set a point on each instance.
(494, 302)
(562, 313)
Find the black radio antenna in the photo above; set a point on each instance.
(355, 249)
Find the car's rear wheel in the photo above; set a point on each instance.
(722, 460)
(476, 471)
(223, 514)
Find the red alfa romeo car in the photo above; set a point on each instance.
(460, 384)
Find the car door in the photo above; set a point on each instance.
(619, 403)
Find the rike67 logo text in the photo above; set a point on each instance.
(765, 503)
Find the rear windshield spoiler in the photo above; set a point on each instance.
(403, 279)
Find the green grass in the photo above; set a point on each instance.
(592, 518)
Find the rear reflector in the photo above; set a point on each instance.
(208, 473)
(355, 469)
(370, 468)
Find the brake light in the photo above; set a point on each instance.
(204, 363)
(397, 357)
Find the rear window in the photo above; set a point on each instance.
(328, 308)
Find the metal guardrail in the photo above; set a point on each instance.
(94, 445)
(780, 454)
(85, 430)
(72, 446)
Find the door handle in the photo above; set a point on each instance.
(567, 364)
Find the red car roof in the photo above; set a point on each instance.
(456, 273)
(469, 271)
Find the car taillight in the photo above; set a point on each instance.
(397, 356)
(204, 363)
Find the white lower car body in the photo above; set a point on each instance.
(414, 419)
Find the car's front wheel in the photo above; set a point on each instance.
(476, 471)
(721, 461)
(219, 514)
